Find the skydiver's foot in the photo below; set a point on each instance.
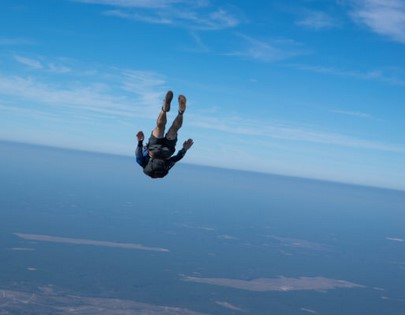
(182, 104)
(167, 101)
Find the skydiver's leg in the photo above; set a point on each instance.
(178, 121)
(159, 131)
(160, 125)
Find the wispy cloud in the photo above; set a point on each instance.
(316, 20)
(33, 90)
(385, 17)
(373, 75)
(15, 41)
(146, 91)
(141, 17)
(134, 3)
(222, 18)
(112, 91)
(186, 18)
(36, 64)
(350, 113)
(291, 132)
(147, 85)
(200, 45)
(182, 13)
(267, 51)
(58, 68)
(31, 63)
(125, 93)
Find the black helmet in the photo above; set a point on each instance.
(156, 168)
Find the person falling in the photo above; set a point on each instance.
(156, 157)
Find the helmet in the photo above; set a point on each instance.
(156, 168)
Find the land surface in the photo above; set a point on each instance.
(47, 300)
(79, 241)
(278, 284)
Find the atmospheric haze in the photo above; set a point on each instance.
(88, 233)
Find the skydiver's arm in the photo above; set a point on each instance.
(140, 159)
(178, 156)
(186, 146)
(139, 152)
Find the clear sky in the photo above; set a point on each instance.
(297, 87)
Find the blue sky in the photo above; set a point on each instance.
(304, 88)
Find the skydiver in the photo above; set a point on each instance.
(156, 156)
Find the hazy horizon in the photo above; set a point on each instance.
(89, 233)
(202, 165)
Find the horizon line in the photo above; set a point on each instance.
(105, 153)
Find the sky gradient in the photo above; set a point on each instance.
(302, 88)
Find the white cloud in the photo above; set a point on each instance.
(316, 20)
(15, 41)
(267, 51)
(182, 13)
(200, 45)
(123, 93)
(146, 87)
(385, 17)
(34, 90)
(384, 76)
(113, 91)
(289, 131)
(32, 63)
(134, 3)
(351, 113)
(147, 18)
(93, 98)
(222, 17)
(58, 68)
(50, 66)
